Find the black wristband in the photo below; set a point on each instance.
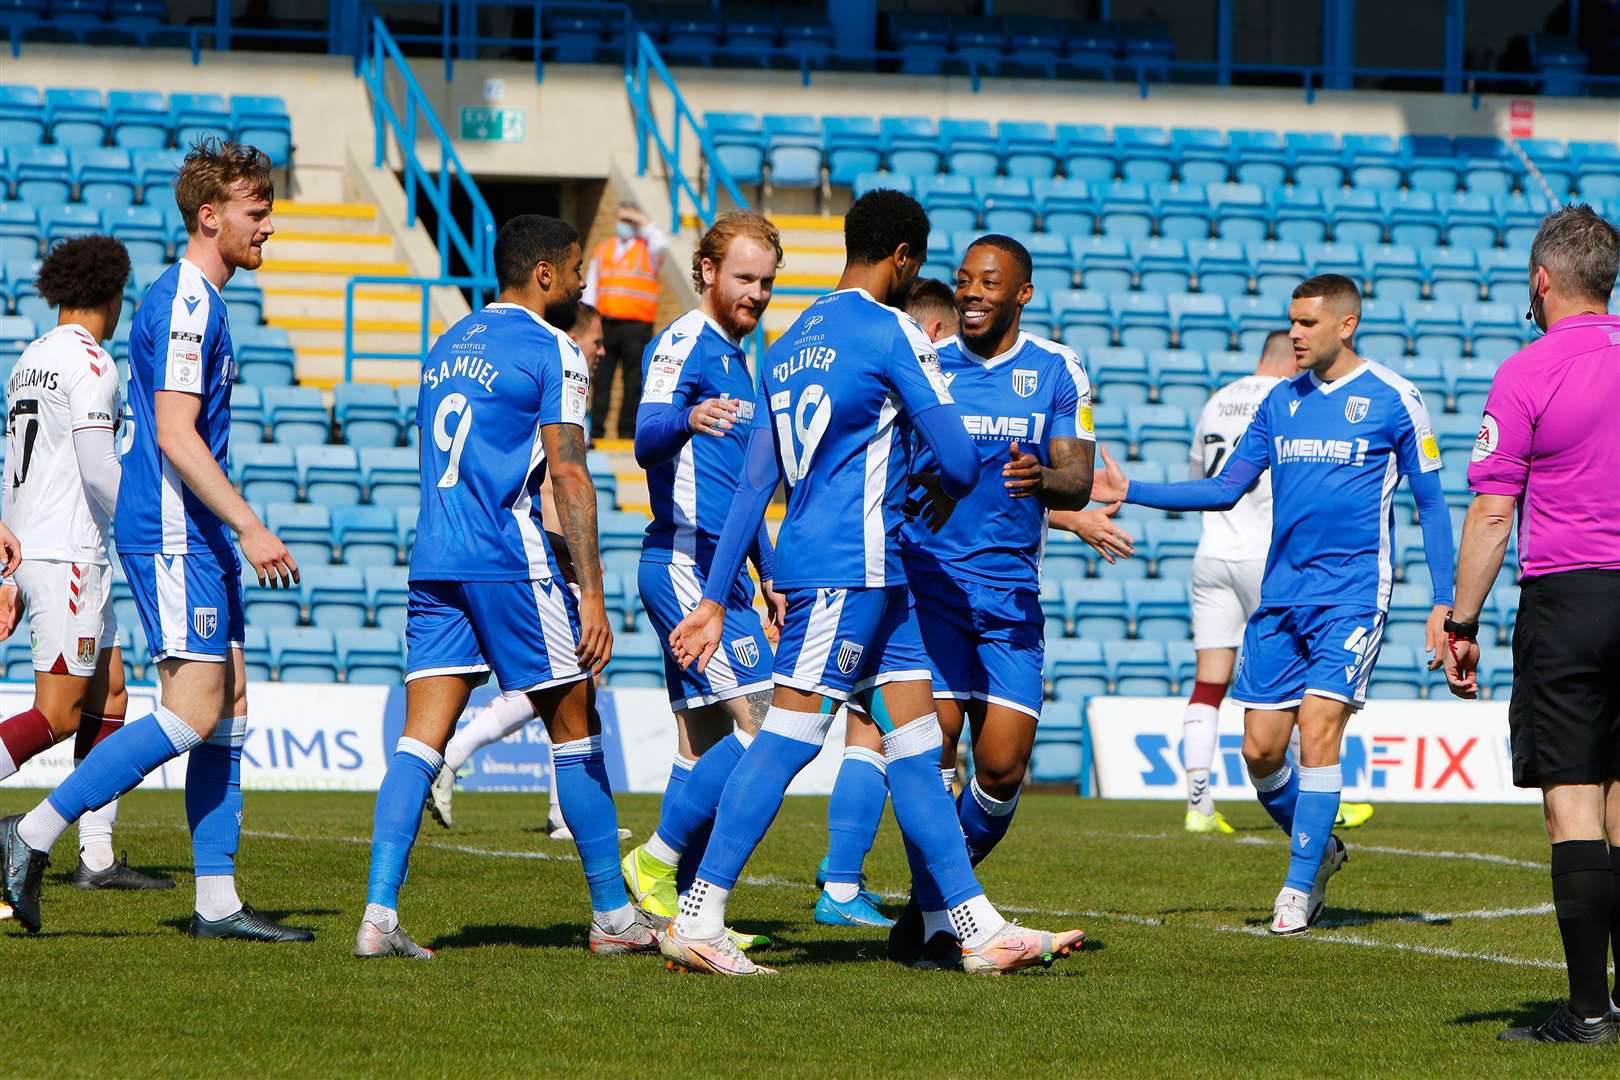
(1462, 631)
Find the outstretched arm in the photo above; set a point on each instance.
(1063, 485)
(942, 431)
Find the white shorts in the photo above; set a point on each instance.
(1224, 595)
(70, 613)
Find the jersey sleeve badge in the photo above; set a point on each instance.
(1485, 441)
(1429, 445)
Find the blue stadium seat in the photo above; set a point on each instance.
(1096, 608)
(264, 356)
(638, 661)
(1254, 318)
(1053, 268)
(1258, 157)
(1279, 266)
(1552, 160)
(1033, 42)
(1202, 155)
(387, 589)
(1084, 318)
(1089, 51)
(1239, 211)
(1159, 610)
(1495, 329)
(970, 147)
(1470, 377)
(1398, 674)
(16, 332)
(40, 174)
(247, 415)
(1452, 274)
(1470, 220)
(303, 654)
(1144, 153)
(141, 229)
(871, 181)
(22, 116)
(365, 535)
(73, 219)
(1182, 211)
(1357, 217)
(1180, 377)
(371, 657)
(1431, 162)
(1375, 161)
(1171, 544)
(265, 607)
(1028, 149)
(1143, 320)
(739, 144)
(392, 476)
(19, 236)
(1162, 265)
(1075, 668)
(1067, 206)
(1087, 151)
(690, 33)
(949, 201)
(1315, 159)
(1058, 756)
(336, 596)
(367, 413)
(1138, 668)
(1597, 165)
(1222, 267)
(1424, 372)
(297, 415)
(1104, 262)
(910, 144)
(104, 176)
(1394, 271)
(1488, 167)
(306, 529)
(1125, 209)
(265, 472)
(1159, 433)
(1119, 377)
(75, 116)
(1300, 214)
(1009, 204)
(1382, 331)
(850, 146)
(1521, 218)
(1412, 217)
(1200, 320)
(1437, 328)
(621, 531)
(155, 170)
(330, 475)
(139, 119)
(793, 151)
(256, 652)
(199, 116)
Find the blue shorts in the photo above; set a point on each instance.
(1289, 652)
(742, 664)
(190, 605)
(526, 631)
(839, 642)
(986, 642)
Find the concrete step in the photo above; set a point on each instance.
(371, 302)
(300, 246)
(333, 217)
(823, 260)
(366, 339)
(318, 273)
(322, 366)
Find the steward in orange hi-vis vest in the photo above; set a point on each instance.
(627, 285)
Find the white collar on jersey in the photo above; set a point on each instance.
(1329, 387)
(505, 306)
(994, 361)
(206, 283)
(735, 343)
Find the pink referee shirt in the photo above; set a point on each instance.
(1551, 439)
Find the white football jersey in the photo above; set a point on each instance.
(1243, 532)
(63, 382)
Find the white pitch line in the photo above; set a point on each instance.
(1431, 918)
(1411, 853)
(1420, 950)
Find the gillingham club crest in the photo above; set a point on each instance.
(746, 650)
(1355, 409)
(849, 656)
(205, 620)
(1024, 381)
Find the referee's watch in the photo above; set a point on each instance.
(1462, 631)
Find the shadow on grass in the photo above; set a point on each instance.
(1346, 918)
(287, 916)
(555, 936)
(1523, 1014)
(175, 873)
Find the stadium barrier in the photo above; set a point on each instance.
(311, 737)
(1396, 751)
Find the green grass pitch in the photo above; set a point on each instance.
(1441, 935)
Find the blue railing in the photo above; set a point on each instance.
(382, 65)
(476, 285)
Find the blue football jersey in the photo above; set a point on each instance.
(836, 391)
(1337, 451)
(180, 340)
(490, 384)
(693, 360)
(1032, 393)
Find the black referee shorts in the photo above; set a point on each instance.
(1565, 713)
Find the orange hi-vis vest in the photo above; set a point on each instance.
(626, 287)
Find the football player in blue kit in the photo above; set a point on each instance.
(841, 393)
(1337, 438)
(973, 564)
(503, 402)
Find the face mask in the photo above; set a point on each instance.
(624, 230)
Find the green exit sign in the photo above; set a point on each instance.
(491, 125)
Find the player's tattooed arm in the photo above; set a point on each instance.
(575, 496)
(1063, 485)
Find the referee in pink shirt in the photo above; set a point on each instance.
(1549, 452)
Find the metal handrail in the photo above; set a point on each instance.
(478, 286)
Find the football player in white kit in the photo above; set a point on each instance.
(60, 487)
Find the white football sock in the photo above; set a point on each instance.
(554, 814)
(975, 921)
(95, 833)
(383, 918)
(655, 848)
(842, 892)
(1199, 726)
(703, 910)
(936, 922)
(42, 826)
(616, 921)
(949, 777)
(492, 723)
(216, 896)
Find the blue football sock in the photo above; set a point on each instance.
(587, 804)
(695, 801)
(398, 816)
(1278, 793)
(786, 743)
(1313, 823)
(122, 760)
(692, 857)
(214, 798)
(853, 812)
(927, 819)
(984, 819)
(923, 889)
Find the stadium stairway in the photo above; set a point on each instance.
(316, 249)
